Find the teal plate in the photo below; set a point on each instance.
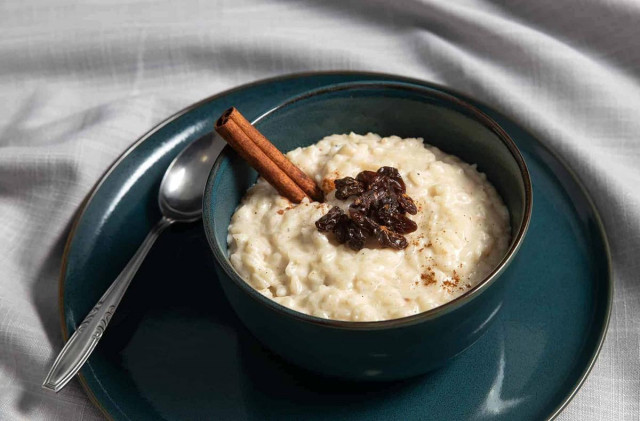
(176, 351)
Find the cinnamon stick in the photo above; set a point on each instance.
(254, 156)
(253, 147)
(297, 175)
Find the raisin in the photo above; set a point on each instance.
(356, 237)
(348, 186)
(389, 172)
(396, 179)
(367, 178)
(328, 222)
(366, 200)
(341, 229)
(402, 225)
(380, 184)
(387, 238)
(367, 224)
(385, 213)
(407, 204)
(398, 186)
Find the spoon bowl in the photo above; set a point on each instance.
(181, 189)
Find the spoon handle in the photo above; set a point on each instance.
(81, 344)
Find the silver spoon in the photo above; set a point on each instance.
(180, 200)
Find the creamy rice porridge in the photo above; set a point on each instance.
(463, 232)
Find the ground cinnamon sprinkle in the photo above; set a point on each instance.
(416, 242)
(329, 184)
(282, 211)
(450, 286)
(428, 277)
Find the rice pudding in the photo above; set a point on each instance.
(462, 234)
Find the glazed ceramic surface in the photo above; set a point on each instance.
(175, 349)
(394, 349)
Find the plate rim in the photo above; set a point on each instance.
(77, 216)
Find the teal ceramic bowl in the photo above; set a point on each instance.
(391, 349)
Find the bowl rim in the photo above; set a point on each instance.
(223, 260)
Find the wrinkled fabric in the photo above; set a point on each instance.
(79, 82)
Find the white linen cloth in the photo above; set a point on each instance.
(80, 81)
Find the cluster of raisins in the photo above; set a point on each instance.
(378, 210)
